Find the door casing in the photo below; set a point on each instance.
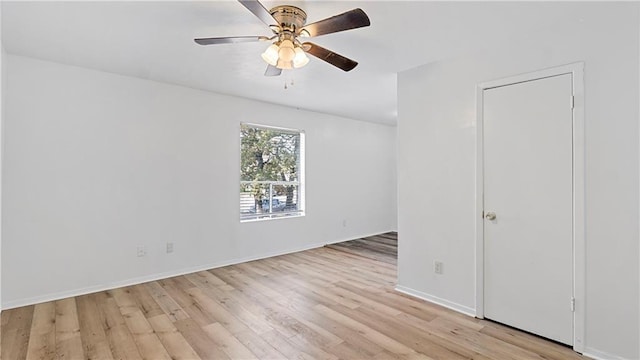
(577, 72)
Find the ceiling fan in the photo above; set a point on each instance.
(288, 25)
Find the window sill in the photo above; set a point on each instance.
(267, 217)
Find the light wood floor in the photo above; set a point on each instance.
(383, 247)
(326, 303)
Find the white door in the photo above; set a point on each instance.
(528, 247)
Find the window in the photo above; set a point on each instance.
(271, 172)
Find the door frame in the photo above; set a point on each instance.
(578, 175)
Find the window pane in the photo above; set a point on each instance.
(270, 172)
(255, 204)
(268, 154)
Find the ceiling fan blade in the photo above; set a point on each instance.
(353, 19)
(230, 40)
(272, 71)
(259, 11)
(329, 56)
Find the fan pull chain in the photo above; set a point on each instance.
(290, 84)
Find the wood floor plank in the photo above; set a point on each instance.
(172, 340)
(216, 311)
(386, 355)
(147, 341)
(211, 279)
(68, 338)
(347, 350)
(289, 322)
(478, 342)
(334, 302)
(185, 300)
(145, 301)
(284, 346)
(386, 342)
(355, 340)
(389, 235)
(15, 336)
(121, 341)
(248, 312)
(333, 258)
(365, 302)
(317, 352)
(126, 302)
(382, 249)
(136, 322)
(229, 343)
(372, 244)
(166, 303)
(258, 346)
(382, 240)
(420, 341)
(243, 280)
(94, 339)
(327, 297)
(4, 319)
(378, 252)
(199, 340)
(358, 267)
(548, 350)
(308, 328)
(253, 267)
(42, 339)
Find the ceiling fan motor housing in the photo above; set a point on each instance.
(290, 18)
(286, 50)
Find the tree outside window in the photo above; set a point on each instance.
(271, 164)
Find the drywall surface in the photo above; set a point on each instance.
(3, 77)
(98, 164)
(437, 158)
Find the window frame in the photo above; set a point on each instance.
(300, 183)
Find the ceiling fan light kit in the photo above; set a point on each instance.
(285, 55)
(270, 56)
(287, 52)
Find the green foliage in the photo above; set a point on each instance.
(268, 155)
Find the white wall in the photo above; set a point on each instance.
(3, 77)
(436, 165)
(97, 164)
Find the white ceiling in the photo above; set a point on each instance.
(154, 40)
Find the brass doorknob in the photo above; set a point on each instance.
(491, 216)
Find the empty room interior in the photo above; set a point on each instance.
(320, 180)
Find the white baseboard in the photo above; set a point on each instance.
(438, 301)
(143, 279)
(153, 277)
(589, 352)
(601, 355)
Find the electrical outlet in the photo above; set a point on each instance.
(169, 247)
(438, 267)
(142, 251)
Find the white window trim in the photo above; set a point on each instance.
(301, 175)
